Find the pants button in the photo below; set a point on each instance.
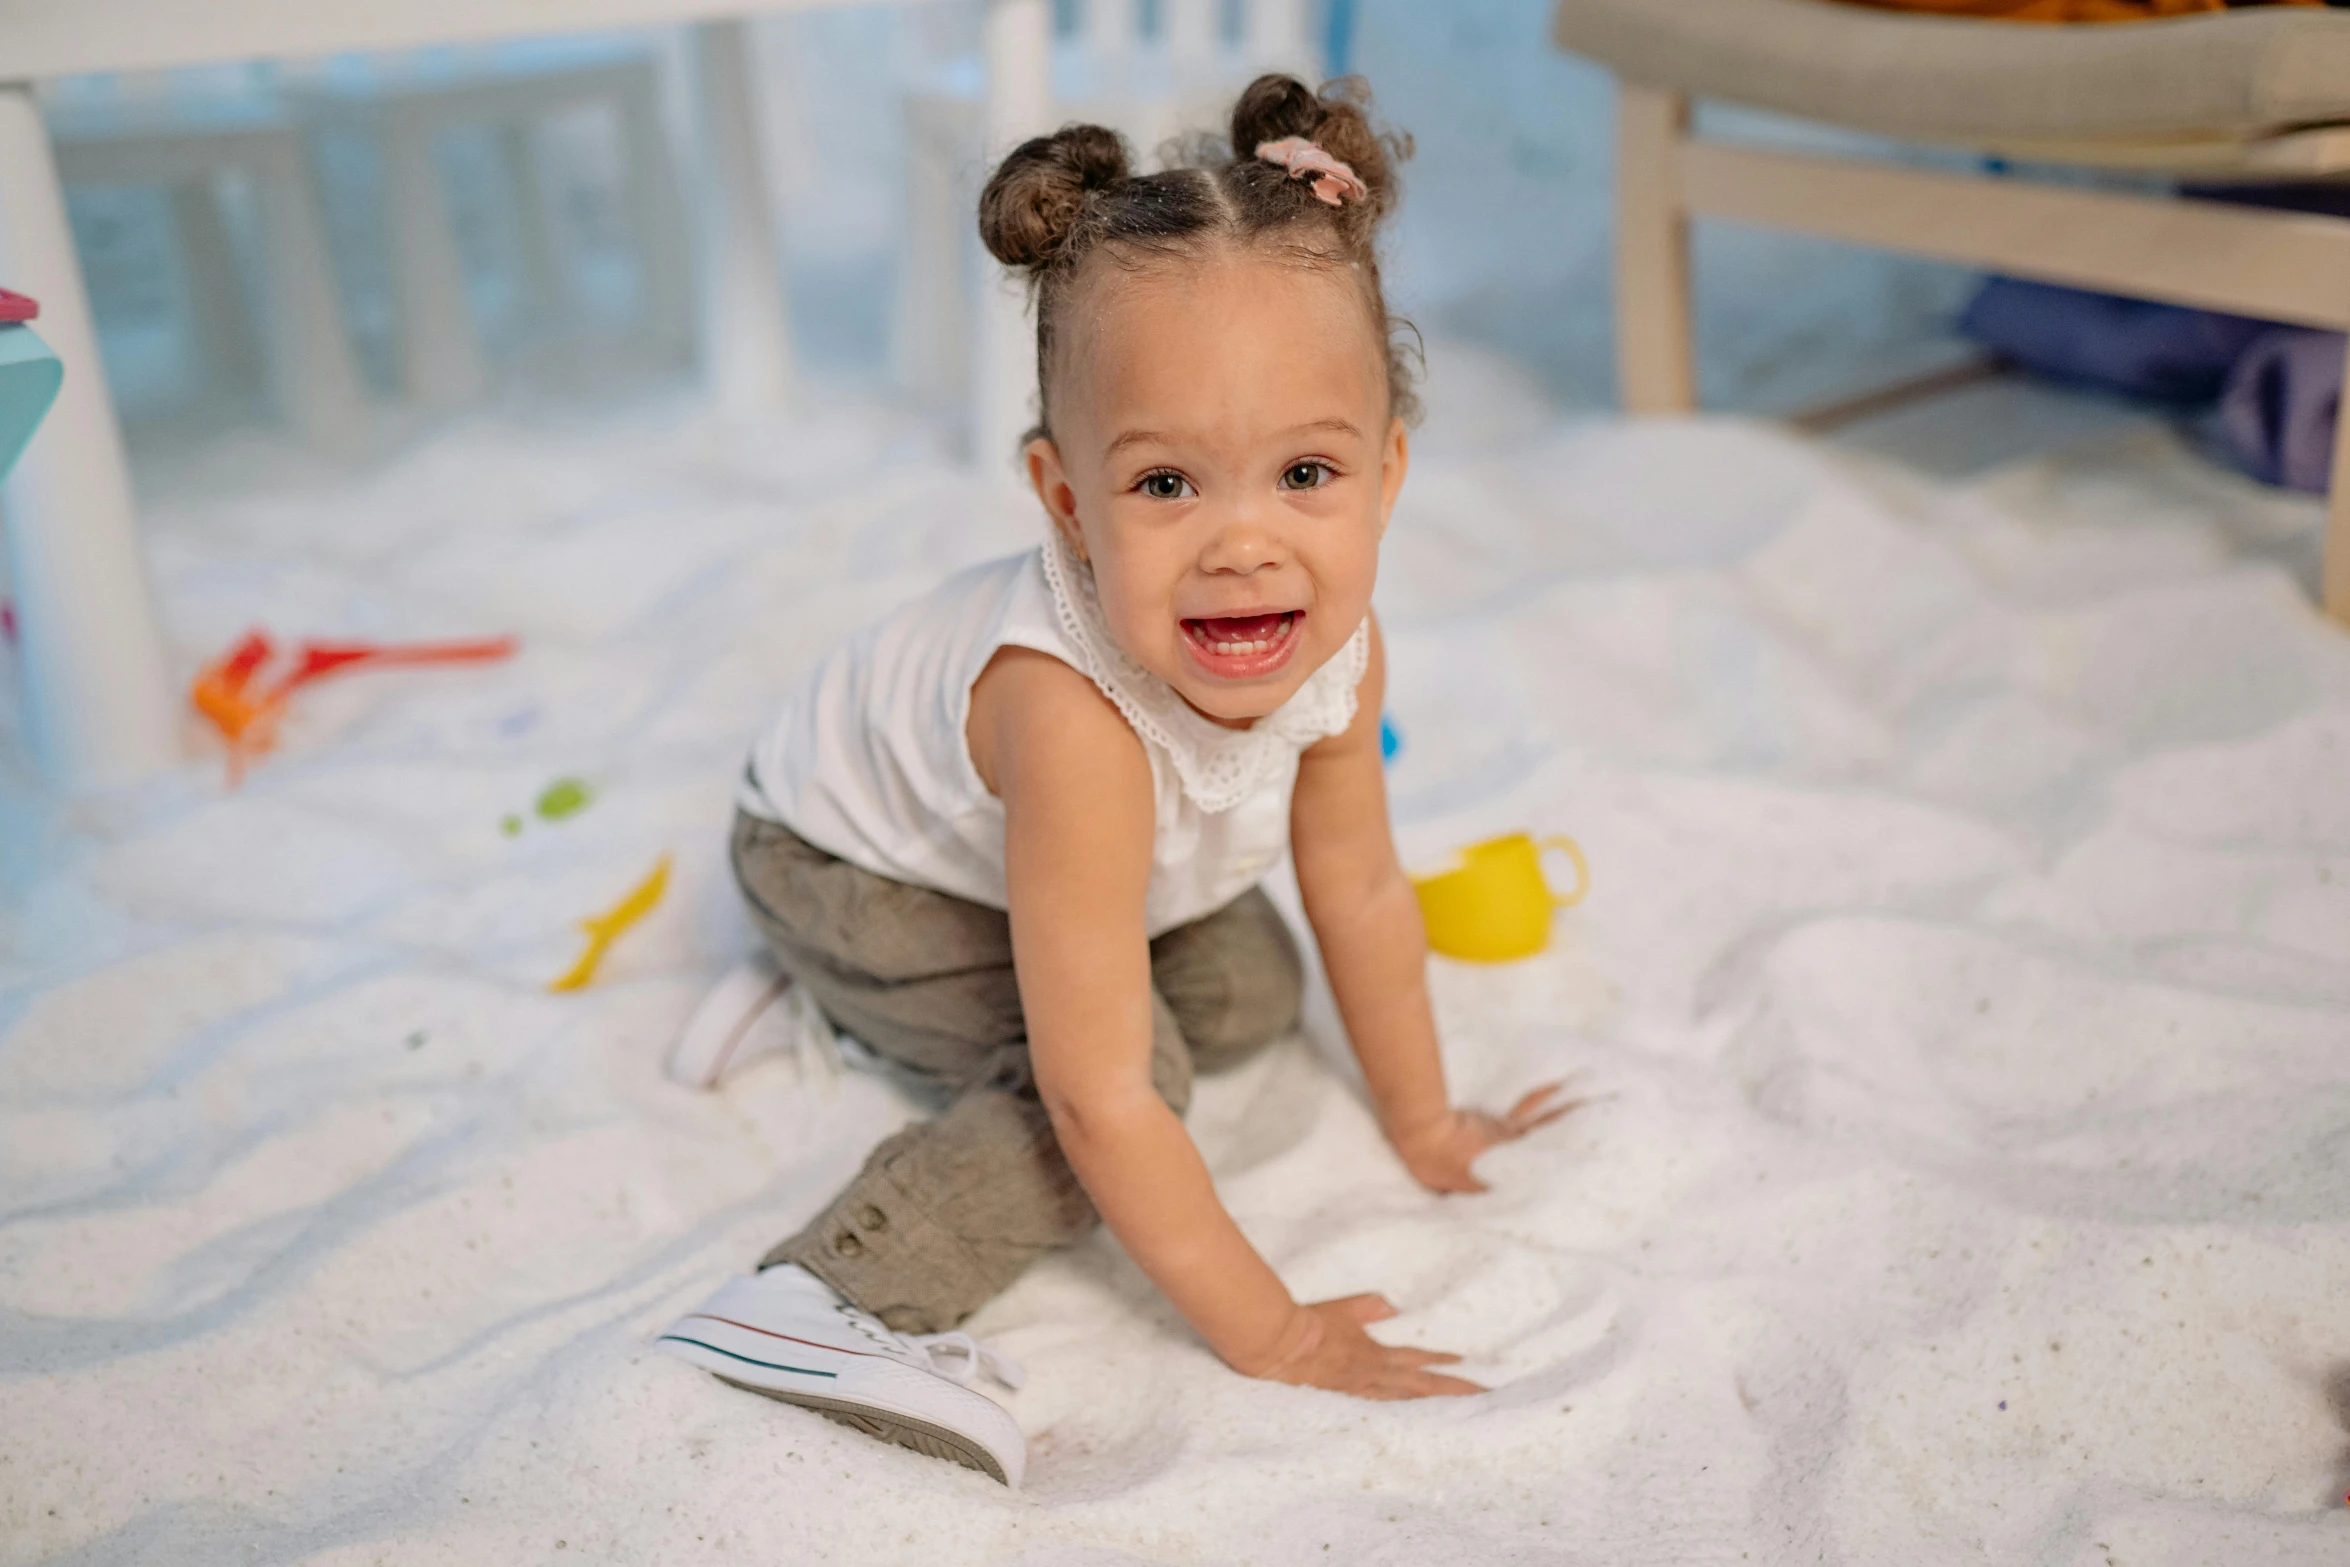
(872, 1218)
(846, 1245)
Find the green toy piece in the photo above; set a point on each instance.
(564, 797)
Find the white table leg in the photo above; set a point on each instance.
(442, 361)
(1019, 105)
(545, 287)
(746, 328)
(664, 245)
(228, 341)
(99, 706)
(931, 327)
(313, 370)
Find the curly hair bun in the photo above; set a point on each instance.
(1337, 119)
(1036, 195)
(1056, 200)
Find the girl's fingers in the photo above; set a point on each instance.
(1406, 1355)
(1524, 1124)
(1535, 1097)
(1435, 1384)
(1366, 1308)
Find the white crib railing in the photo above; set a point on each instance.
(961, 334)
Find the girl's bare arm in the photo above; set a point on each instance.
(1367, 921)
(1076, 788)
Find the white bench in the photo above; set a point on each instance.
(313, 374)
(101, 705)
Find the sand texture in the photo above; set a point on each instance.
(1964, 1001)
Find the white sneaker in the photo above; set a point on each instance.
(753, 1011)
(786, 1333)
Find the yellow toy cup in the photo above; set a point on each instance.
(1495, 906)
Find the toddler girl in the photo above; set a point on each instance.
(1010, 837)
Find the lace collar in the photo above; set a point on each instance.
(1217, 767)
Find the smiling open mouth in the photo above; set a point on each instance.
(1240, 646)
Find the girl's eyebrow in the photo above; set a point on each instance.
(1135, 438)
(1334, 426)
(1154, 438)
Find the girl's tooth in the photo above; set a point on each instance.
(1281, 630)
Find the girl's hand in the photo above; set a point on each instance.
(1439, 1153)
(1327, 1347)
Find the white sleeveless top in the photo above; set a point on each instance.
(869, 761)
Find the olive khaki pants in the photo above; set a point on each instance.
(949, 1211)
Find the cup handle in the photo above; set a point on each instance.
(1568, 847)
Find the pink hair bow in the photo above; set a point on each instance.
(1332, 180)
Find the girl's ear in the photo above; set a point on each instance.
(1393, 462)
(1051, 483)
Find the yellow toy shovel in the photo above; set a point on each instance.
(605, 928)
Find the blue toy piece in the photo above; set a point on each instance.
(1390, 739)
(29, 378)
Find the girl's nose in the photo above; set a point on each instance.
(1241, 547)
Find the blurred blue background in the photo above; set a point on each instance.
(1503, 238)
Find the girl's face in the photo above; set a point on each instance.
(1224, 456)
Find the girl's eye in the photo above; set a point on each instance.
(1305, 475)
(1165, 486)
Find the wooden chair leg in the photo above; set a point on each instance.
(1655, 368)
(2334, 566)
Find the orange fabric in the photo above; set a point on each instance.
(2067, 10)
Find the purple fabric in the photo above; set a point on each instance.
(2129, 345)
(2278, 388)
(2318, 196)
(2277, 411)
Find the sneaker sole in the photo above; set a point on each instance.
(869, 1393)
(899, 1430)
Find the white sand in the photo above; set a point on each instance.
(1967, 985)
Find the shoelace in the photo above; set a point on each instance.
(970, 1358)
(957, 1356)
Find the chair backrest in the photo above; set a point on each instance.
(1962, 80)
